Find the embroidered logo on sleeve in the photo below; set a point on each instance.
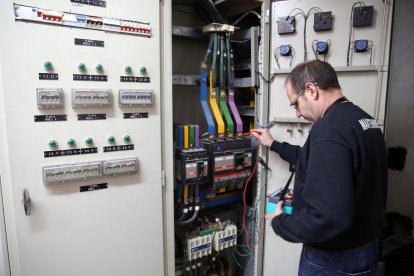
(368, 123)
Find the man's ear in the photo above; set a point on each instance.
(314, 91)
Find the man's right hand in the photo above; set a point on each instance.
(263, 135)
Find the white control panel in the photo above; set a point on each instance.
(90, 166)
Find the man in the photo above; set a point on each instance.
(341, 177)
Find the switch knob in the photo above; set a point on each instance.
(128, 70)
(89, 141)
(82, 67)
(127, 138)
(99, 68)
(71, 142)
(111, 139)
(48, 66)
(143, 70)
(53, 144)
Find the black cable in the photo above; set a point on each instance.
(195, 270)
(211, 9)
(313, 48)
(302, 12)
(276, 54)
(304, 31)
(205, 13)
(305, 55)
(362, 4)
(286, 188)
(264, 79)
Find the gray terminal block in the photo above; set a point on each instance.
(286, 25)
(81, 171)
(133, 97)
(91, 97)
(49, 97)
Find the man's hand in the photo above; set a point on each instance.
(263, 135)
(277, 212)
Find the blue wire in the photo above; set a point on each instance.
(204, 102)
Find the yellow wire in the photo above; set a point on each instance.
(186, 137)
(185, 190)
(215, 108)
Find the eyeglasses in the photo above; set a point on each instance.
(300, 94)
(295, 102)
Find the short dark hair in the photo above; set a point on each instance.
(314, 71)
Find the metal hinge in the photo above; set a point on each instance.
(267, 16)
(163, 179)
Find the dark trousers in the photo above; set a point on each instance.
(361, 261)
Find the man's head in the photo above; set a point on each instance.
(311, 88)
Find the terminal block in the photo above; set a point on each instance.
(363, 16)
(322, 21)
(191, 165)
(230, 161)
(49, 97)
(120, 166)
(135, 97)
(91, 97)
(286, 25)
(198, 247)
(225, 238)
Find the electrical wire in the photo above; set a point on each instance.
(244, 197)
(276, 54)
(264, 79)
(305, 54)
(195, 199)
(246, 14)
(362, 4)
(301, 12)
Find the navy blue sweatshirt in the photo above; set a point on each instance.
(340, 186)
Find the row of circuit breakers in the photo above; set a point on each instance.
(221, 162)
(69, 19)
(53, 97)
(85, 170)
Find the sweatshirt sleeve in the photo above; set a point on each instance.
(286, 151)
(328, 196)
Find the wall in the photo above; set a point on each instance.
(399, 131)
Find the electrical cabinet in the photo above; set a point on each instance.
(124, 128)
(80, 103)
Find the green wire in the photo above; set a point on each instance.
(223, 97)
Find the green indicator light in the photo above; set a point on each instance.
(82, 67)
(71, 142)
(127, 138)
(128, 69)
(48, 66)
(99, 68)
(143, 70)
(89, 141)
(53, 144)
(111, 139)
